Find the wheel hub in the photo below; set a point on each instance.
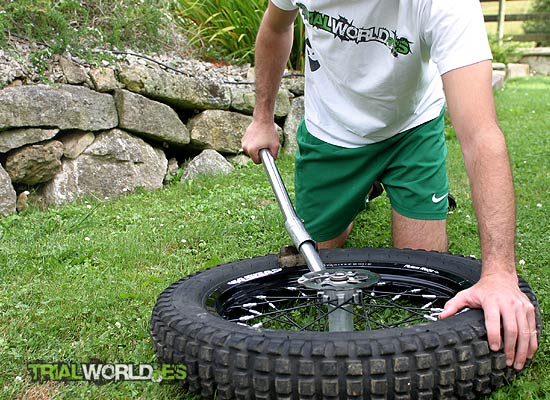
(341, 279)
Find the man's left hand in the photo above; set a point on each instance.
(501, 299)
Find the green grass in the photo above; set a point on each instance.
(70, 25)
(79, 282)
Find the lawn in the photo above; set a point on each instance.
(78, 282)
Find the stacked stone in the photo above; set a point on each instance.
(106, 131)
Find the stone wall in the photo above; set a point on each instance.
(105, 131)
(538, 59)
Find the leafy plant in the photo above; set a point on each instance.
(507, 52)
(227, 30)
(175, 178)
(218, 26)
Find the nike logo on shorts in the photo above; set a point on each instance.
(436, 199)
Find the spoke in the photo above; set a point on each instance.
(412, 293)
(326, 313)
(277, 313)
(393, 305)
(414, 311)
(366, 307)
(274, 315)
(291, 306)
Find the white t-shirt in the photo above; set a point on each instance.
(373, 66)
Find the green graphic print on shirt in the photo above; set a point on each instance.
(345, 30)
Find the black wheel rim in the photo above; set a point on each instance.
(405, 295)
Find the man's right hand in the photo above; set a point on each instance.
(260, 135)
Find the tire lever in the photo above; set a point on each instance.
(294, 226)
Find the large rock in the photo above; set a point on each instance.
(61, 106)
(208, 162)
(7, 194)
(243, 99)
(150, 118)
(104, 79)
(219, 130)
(115, 164)
(36, 163)
(291, 125)
(15, 138)
(177, 90)
(517, 70)
(74, 73)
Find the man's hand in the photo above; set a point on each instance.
(260, 135)
(501, 299)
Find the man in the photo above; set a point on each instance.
(377, 77)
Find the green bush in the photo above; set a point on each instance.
(226, 30)
(78, 26)
(507, 52)
(539, 25)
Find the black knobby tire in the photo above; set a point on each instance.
(191, 324)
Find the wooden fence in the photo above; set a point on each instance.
(501, 17)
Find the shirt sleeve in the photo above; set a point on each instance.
(286, 5)
(455, 33)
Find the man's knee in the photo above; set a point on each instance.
(336, 242)
(419, 234)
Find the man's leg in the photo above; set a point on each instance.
(419, 234)
(408, 233)
(336, 242)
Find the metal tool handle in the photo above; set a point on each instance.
(294, 226)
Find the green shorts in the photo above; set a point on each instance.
(332, 182)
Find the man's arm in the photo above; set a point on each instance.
(470, 102)
(273, 45)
